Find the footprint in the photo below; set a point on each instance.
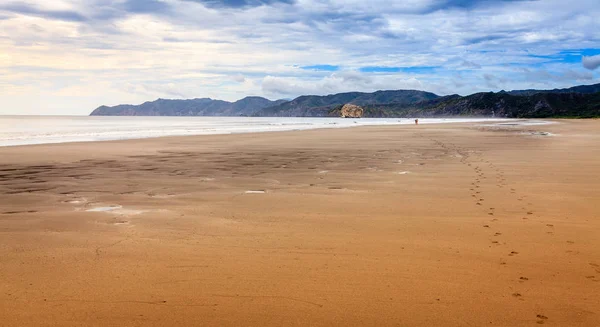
(517, 294)
(497, 234)
(522, 279)
(541, 318)
(513, 253)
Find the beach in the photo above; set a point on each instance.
(463, 224)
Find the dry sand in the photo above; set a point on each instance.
(431, 225)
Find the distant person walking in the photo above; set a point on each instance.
(417, 121)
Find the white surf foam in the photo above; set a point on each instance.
(23, 130)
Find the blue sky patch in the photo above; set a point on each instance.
(413, 70)
(324, 68)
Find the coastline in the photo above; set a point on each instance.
(30, 130)
(441, 224)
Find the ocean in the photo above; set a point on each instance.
(24, 130)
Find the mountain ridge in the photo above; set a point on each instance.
(578, 101)
(188, 107)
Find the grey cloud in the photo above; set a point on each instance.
(238, 78)
(591, 62)
(492, 77)
(467, 4)
(490, 81)
(545, 77)
(240, 3)
(458, 83)
(578, 75)
(26, 9)
(470, 65)
(172, 39)
(494, 81)
(146, 6)
(95, 10)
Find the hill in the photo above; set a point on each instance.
(192, 107)
(538, 105)
(586, 89)
(320, 106)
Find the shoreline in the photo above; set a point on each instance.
(245, 125)
(429, 225)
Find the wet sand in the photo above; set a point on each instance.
(430, 225)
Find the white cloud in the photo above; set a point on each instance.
(345, 81)
(71, 46)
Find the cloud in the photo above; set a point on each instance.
(491, 80)
(238, 78)
(582, 76)
(229, 49)
(470, 65)
(26, 9)
(240, 3)
(547, 77)
(343, 81)
(146, 6)
(591, 62)
(467, 4)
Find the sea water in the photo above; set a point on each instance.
(24, 130)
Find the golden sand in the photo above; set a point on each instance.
(429, 225)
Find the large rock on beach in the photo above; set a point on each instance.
(351, 111)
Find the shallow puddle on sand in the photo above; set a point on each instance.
(104, 209)
(117, 210)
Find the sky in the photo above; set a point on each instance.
(67, 57)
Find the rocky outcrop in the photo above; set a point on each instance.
(351, 111)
